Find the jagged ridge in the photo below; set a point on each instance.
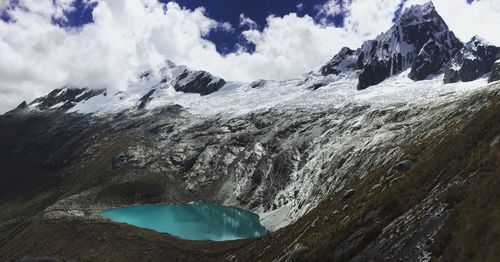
(420, 40)
(475, 59)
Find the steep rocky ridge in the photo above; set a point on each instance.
(200, 82)
(474, 60)
(420, 40)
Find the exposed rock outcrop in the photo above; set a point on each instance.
(199, 82)
(474, 60)
(65, 98)
(495, 72)
(345, 60)
(146, 99)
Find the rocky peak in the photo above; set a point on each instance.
(183, 79)
(419, 39)
(416, 26)
(64, 98)
(477, 41)
(474, 60)
(345, 60)
(147, 86)
(417, 14)
(21, 107)
(200, 82)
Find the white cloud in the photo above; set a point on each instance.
(291, 45)
(300, 6)
(369, 18)
(226, 26)
(127, 37)
(130, 36)
(330, 8)
(248, 22)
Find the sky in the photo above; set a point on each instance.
(47, 44)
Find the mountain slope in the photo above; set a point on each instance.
(419, 40)
(273, 163)
(475, 59)
(389, 172)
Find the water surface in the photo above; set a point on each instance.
(195, 221)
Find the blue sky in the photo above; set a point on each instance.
(46, 44)
(231, 11)
(227, 11)
(258, 11)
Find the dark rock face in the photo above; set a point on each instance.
(437, 50)
(316, 86)
(19, 108)
(419, 40)
(429, 61)
(404, 165)
(475, 59)
(373, 73)
(495, 72)
(199, 82)
(65, 98)
(258, 83)
(146, 99)
(346, 59)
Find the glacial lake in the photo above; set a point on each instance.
(194, 221)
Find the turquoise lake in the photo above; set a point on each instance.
(195, 221)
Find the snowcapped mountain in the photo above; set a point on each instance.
(411, 56)
(420, 40)
(474, 60)
(371, 157)
(206, 95)
(138, 94)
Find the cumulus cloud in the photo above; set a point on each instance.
(128, 37)
(330, 8)
(369, 18)
(248, 22)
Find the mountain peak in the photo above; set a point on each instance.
(477, 40)
(474, 60)
(422, 14)
(419, 9)
(420, 39)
